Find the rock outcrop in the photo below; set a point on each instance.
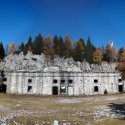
(30, 62)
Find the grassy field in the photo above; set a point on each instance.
(43, 110)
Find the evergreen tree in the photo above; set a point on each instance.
(56, 44)
(38, 45)
(21, 47)
(28, 45)
(89, 51)
(120, 54)
(2, 51)
(79, 51)
(61, 47)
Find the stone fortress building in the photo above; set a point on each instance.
(36, 74)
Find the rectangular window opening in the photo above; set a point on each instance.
(96, 89)
(62, 81)
(70, 81)
(29, 80)
(55, 81)
(95, 81)
(119, 80)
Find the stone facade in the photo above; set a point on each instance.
(36, 74)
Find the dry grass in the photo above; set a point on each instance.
(45, 109)
(111, 122)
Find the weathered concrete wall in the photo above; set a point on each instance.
(82, 83)
(108, 81)
(35, 74)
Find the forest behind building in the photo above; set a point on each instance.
(79, 50)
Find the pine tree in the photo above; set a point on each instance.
(2, 51)
(120, 54)
(79, 51)
(28, 45)
(21, 47)
(56, 44)
(38, 45)
(61, 47)
(89, 51)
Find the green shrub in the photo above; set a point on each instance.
(105, 92)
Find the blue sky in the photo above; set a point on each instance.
(102, 20)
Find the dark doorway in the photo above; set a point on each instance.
(3, 88)
(55, 90)
(120, 87)
(96, 89)
(29, 88)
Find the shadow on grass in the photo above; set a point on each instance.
(118, 110)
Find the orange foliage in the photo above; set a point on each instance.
(97, 56)
(12, 48)
(121, 65)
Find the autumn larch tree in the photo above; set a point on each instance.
(67, 47)
(97, 56)
(121, 65)
(12, 48)
(48, 50)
